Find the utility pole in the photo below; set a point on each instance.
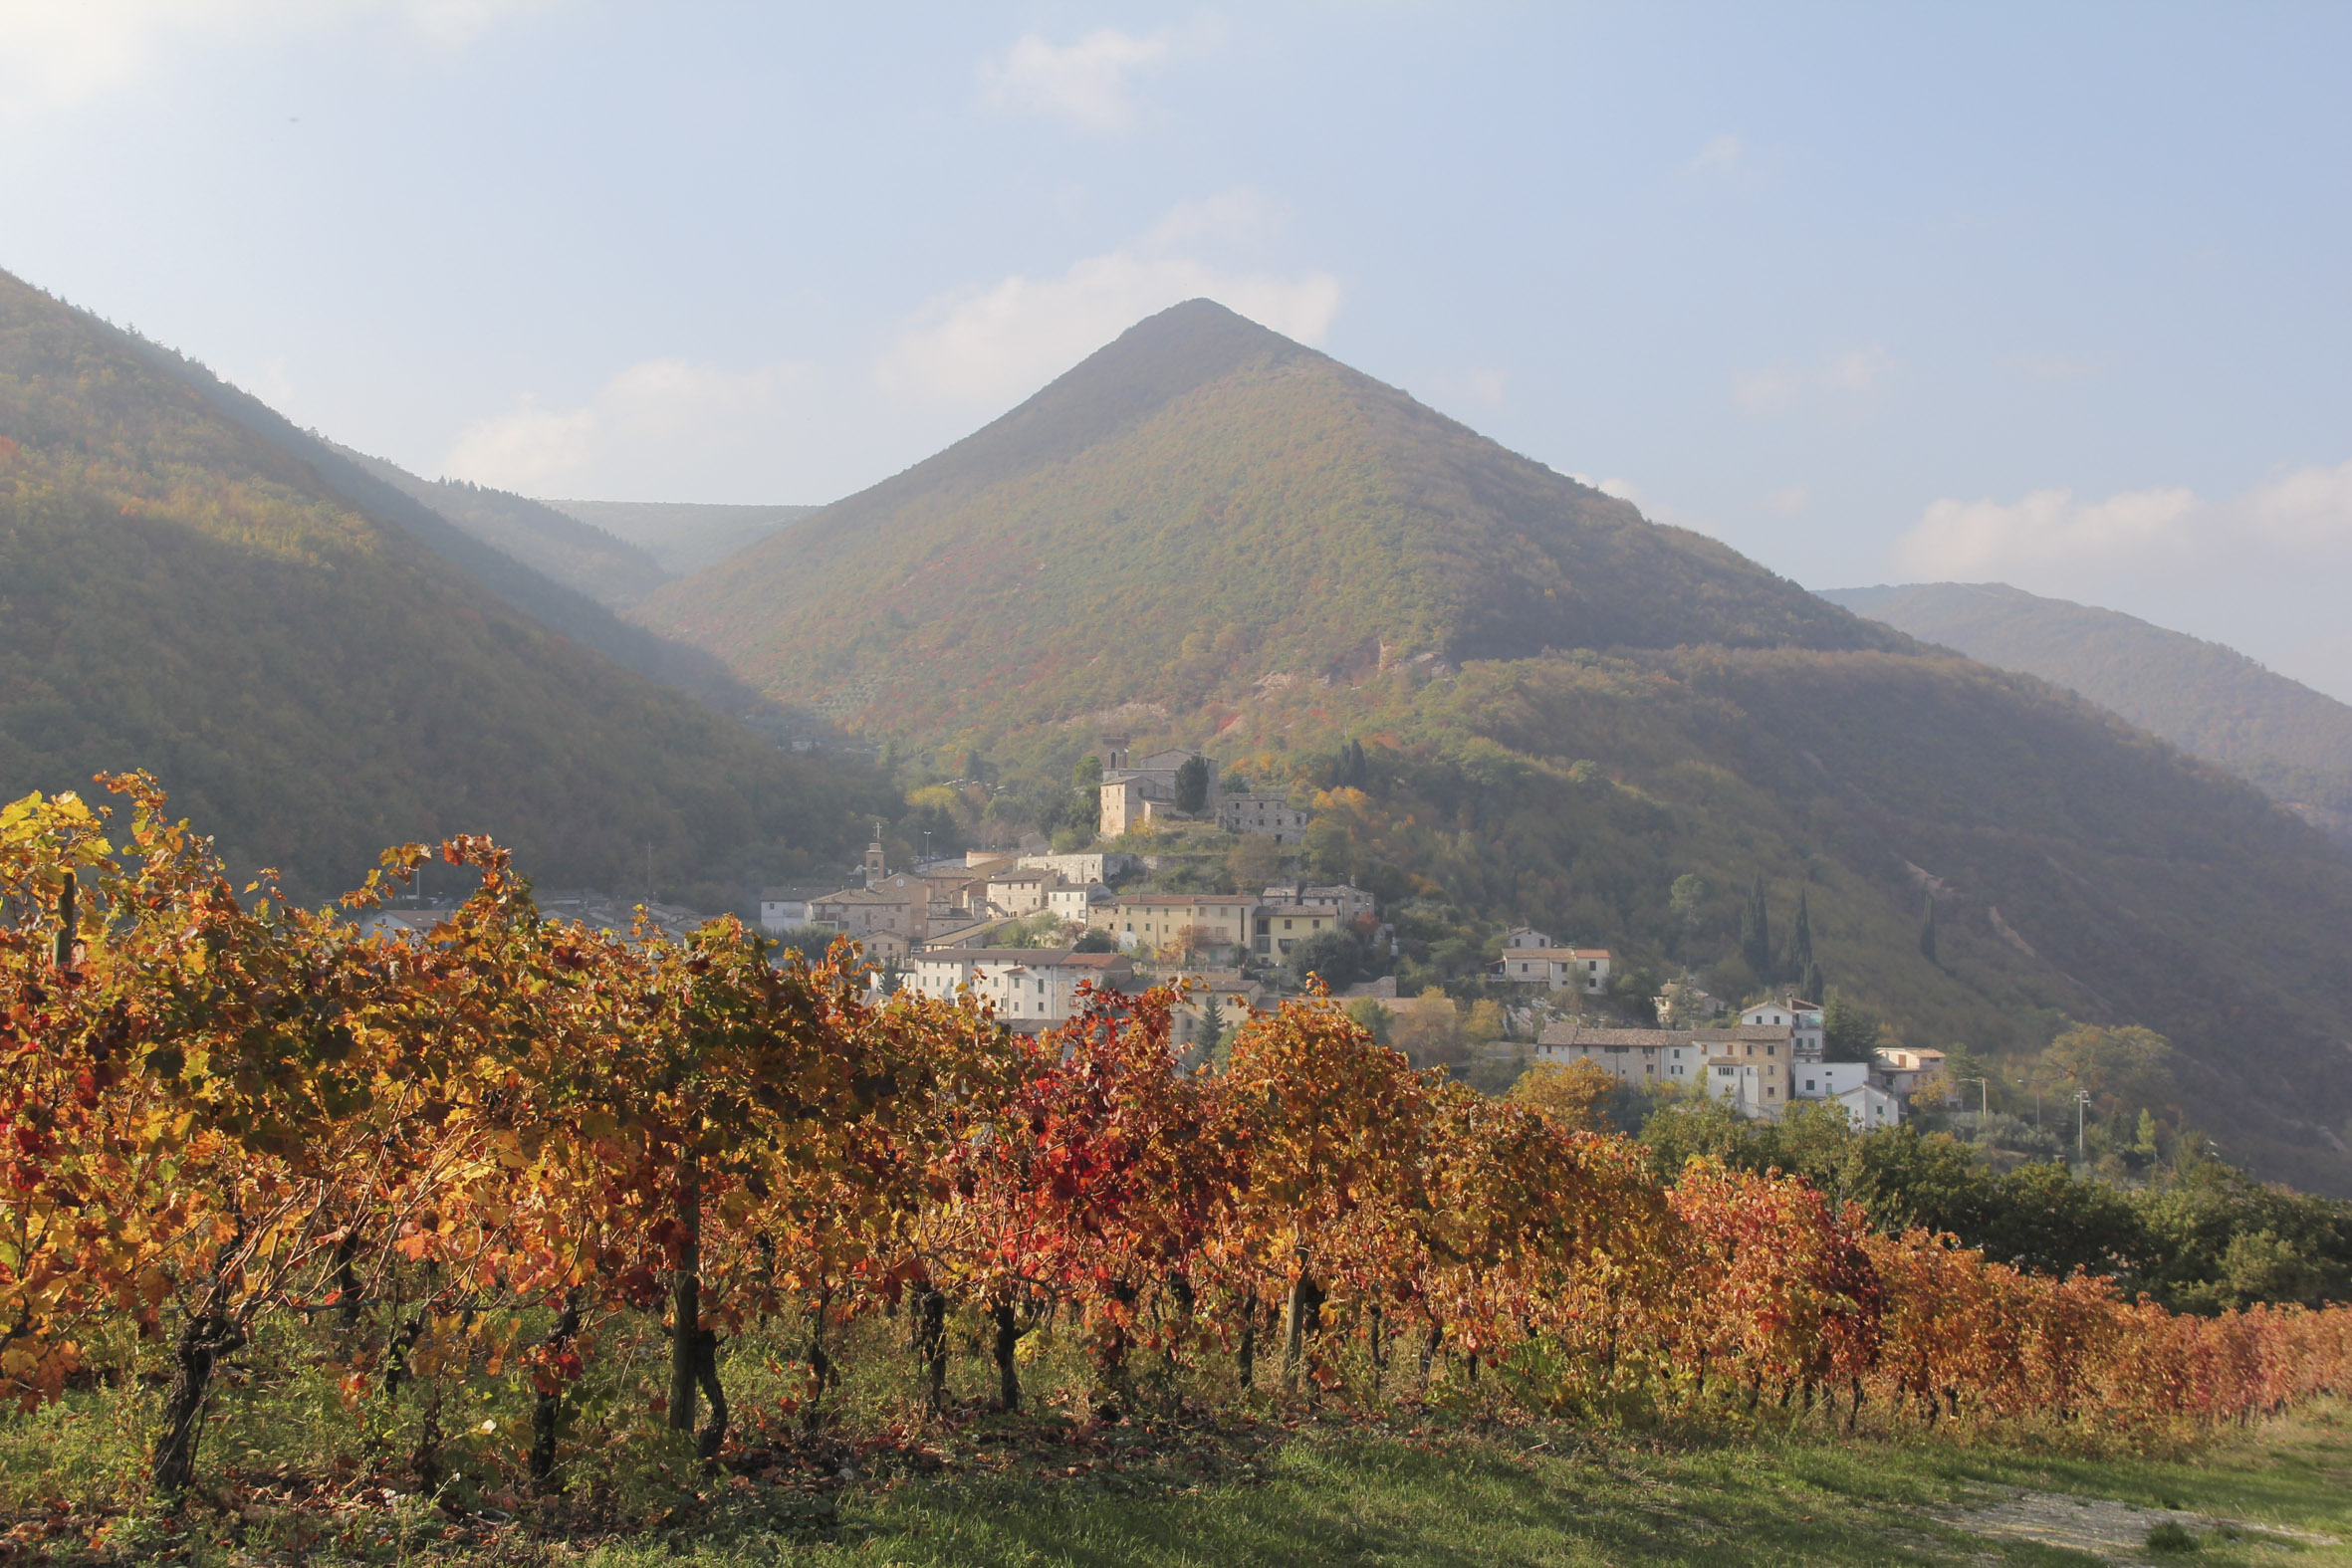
(2082, 1100)
(1985, 1103)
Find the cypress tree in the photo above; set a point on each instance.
(1927, 931)
(1799, 962)
(1755, 933)
(1814, 983)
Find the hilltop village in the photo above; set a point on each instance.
(1025, 928)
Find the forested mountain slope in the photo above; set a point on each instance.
(1199, 507)
(2206, 699)
(312, 677)
(554, 606)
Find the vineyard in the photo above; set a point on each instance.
(474, 1176)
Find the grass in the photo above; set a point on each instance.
(293, 1473)
(1554, 1498)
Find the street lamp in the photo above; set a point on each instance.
(1984, 1104)
(2082, 1100)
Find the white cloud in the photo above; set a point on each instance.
(990, 343)
(661, 415)
(1857, 370)
(58, 54)
(1720, 157)
(1085, 82)
(1851, 372)
(2293, 521)
(1761, 392)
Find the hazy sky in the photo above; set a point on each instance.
(2056, 295)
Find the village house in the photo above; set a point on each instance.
(1019, 892)
(1902, 1072)
(1280, 927)
(1099, 865)
(1803, 1018)
(1631, 1056)
(891, 922)
(1264, 812)
(1029, 987)
(1075, 903)
(785, 908)
(1584, 970)
(1747, 1065)
(1349, 899)
(1137, 789)
(1158, 921)
(1526, 937)
(1847, 1083)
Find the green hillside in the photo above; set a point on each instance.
(580, 555)
(2214, 702)
(683, 536)
(1569, 717)
(1202, 508)
(313, 679)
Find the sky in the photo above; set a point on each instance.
(2042, 294)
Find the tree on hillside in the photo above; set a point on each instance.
(1334, 955)
(1330, 849)
(1430, 1031)
(1253, 861)
(1374, 1017)
(1849, 1030)
(1351, 773)
(1798, 964)
(1755, 933)
(1927, 931)
(1086, 777)
(2125, 1069)
(1192, 785)
(1096, 940)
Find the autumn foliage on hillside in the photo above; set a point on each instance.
(476, 1153)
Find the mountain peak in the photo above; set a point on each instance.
(1196, 508)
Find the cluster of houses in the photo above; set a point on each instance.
(1771, 1059)
(934, 922)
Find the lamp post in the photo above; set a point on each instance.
(1984, 1104)
(2082, 1100)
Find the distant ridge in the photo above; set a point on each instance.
(2211, 701)
(579, 555)
(1197, 507)
(683, 536)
